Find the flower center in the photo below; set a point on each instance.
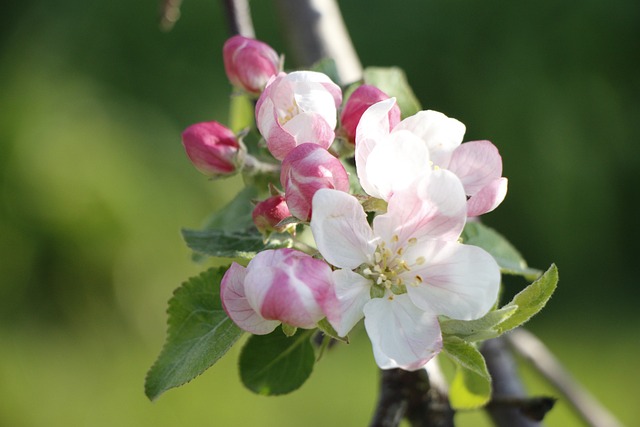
(390, 273)
(285, 115)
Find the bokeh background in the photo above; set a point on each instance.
(94, 187)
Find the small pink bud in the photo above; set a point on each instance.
(305, 170)
(212, 148)
(249, 63)
(296, 108)
(281, 285)
(268, 213)
(361, 99)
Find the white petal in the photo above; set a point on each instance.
(488, 198)
(477, 164)
(434, 207)
(402, 335)
(340, 229)
(441, 133)
(459, 281)
(372, 128)
(353, 291)
(395, 163)
(236, 305)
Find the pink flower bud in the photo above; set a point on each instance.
(305, 170)
(278, 286)
(296, 108)
(249, 63)
(212, 148)
(268, 213)
(361, 99)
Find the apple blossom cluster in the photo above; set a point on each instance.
(386, 200)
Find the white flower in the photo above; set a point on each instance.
(406, 270)
(388, 161)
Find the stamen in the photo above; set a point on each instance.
(412, 241)
(420, 260)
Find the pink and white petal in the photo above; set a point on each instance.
(235, 303)
(372, 128)
(402, 335)
(434, 207)
(340, 229)
(310, 127)
(352, 292)
(488, 198)
(441, 134)
(395, 163)
(477, 164)
(277, 295)
(314, 98)
(459, 281)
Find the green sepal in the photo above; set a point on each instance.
(328, 330)
(327, 66)
(530, 300)
(289, 330)
(471, 384)
(393, 82)
(199, 334)
(275, 364)
(507, 257)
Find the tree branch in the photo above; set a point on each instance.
(409, 395)
(587, 407)
(316, 30)
(506, 386)
(239, 17)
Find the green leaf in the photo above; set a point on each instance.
(479, 329)
(232, 244)
(393, 82)
(276, 364)
(507, 257)
(327, 66)
(531, 300)
(471, 385)
(199, 333)
(241, 115)
(236, 215)
(328, 330)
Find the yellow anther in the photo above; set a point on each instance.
(419, 278)
(395, 238)
(420, 260)
(400, 251)
(412, 241)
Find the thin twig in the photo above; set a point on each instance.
(239, 17)
(316, 31)
(587, 407)
(506, 384)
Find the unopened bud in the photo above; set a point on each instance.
(268, 213)
(249, 63)
(213, 149)
(361, 99)
(305, 170)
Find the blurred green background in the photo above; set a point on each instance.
(94, 187)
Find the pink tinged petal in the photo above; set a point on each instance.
(477, 164)
(352, 292)
(340, 229)
(235, 303)
(441, 134)
(288, 286)
(310, 127)
(313, 97)
(459, 281)
(434, 207)
(322, 79)
(402, 335)
(394, 163)
(488, 198)
(373, 127)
